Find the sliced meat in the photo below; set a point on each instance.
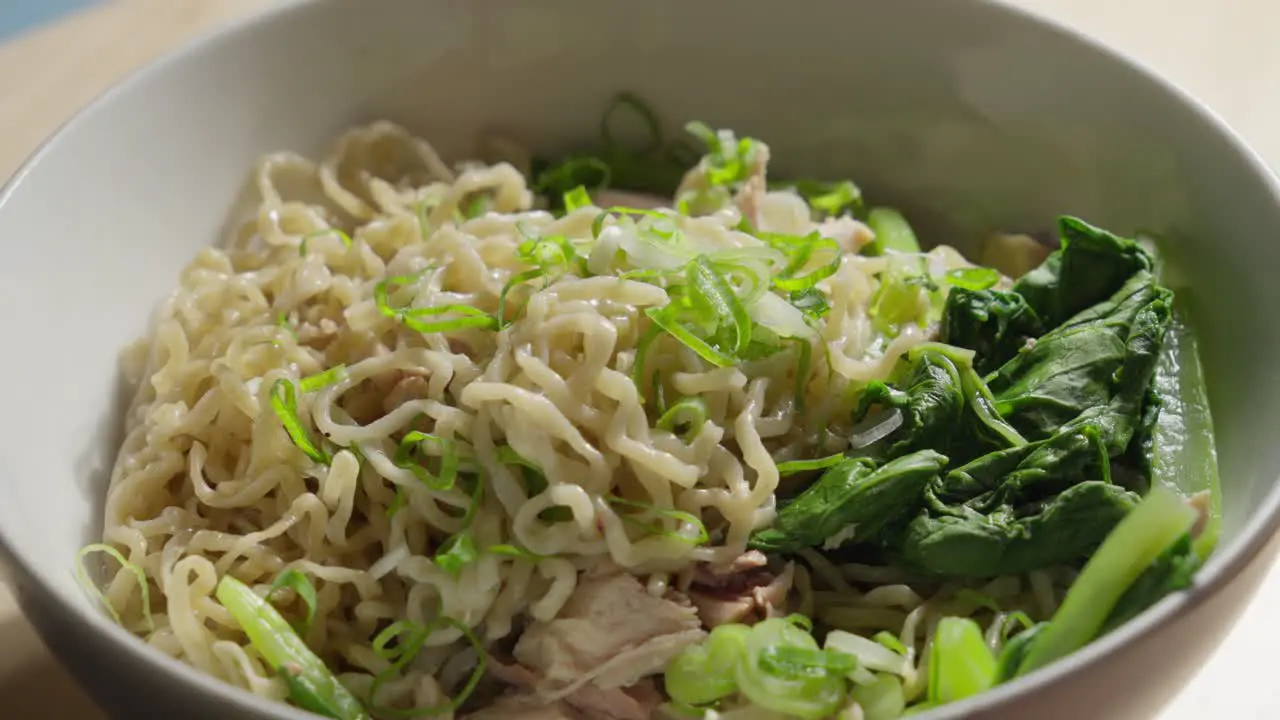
(850, 234)
(637, 702)
(750, 197)
(522, 707)
(748, 596)
(708, 575)
(633, 703)
(611, 632)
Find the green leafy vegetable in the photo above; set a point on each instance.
(297, 581)
(1137, 542)
(993, 323)
(312, 686)
(853, 499)
(284, 402)
(1090, 267)
(1180, 449)
(1014, 652)
(892, 232)
(82, 575)
(1171, 572)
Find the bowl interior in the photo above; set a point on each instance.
(972, 117)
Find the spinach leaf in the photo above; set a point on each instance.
(1090, 266)
(1103, 357)
(853, 500)
(960, 541)
(945, 406)
(995, 324)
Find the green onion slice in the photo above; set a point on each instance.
(297, 581)
(679, 516)
(82, 575)
(411, 455)
(312, 686)
(284, 402)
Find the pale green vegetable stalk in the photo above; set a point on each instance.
(1184, 455)
(311, 685)
(1146, 532)
(892, 232)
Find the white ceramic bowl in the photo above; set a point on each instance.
(970, 115)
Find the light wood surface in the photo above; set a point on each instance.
(1223, 52)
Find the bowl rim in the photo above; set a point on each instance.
(1225, 563)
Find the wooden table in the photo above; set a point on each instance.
(1223, 52)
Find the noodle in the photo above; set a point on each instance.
(208, 482)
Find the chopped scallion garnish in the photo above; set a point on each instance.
(92, 588)
(412, 455)
(302, 245)
(690, 413)
(284, 402)
(960, 663)
(680, 516)
(321, 380)
(577, 198)
(460, 549)
(407, 650)
(515, 552)
(297, 581)
(798, 466)
(311, 685)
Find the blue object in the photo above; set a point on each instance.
(18, 16)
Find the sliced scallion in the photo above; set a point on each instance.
(689, 412)
(798, 466)
(324, 379)
(87, 583)
(411, 455)
(297, 581)
(577, 198)
(960, 663)
(284, 402)
(312, 686)
(680, 516)
(302, 245)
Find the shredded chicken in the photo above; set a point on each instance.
(850, 234)
(609, 636)
(746, 591)
(750, 196)
(634, 703)
(523, 707)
